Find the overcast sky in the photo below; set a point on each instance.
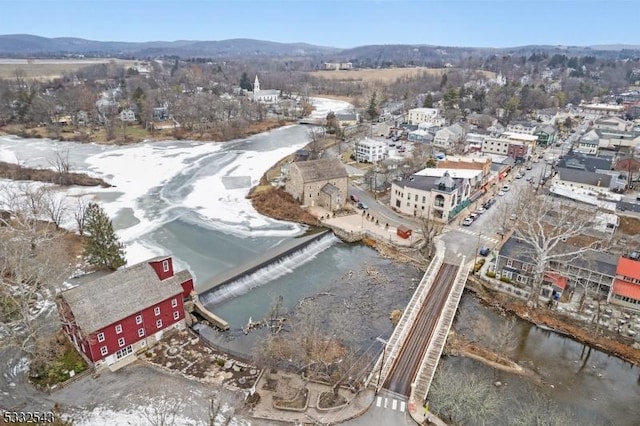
(343, 23)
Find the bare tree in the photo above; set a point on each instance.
(544, 224)
(463, 397)
(54, 206)
(80, 213)
(430, 230)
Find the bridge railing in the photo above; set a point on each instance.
(420, 387)
(398, 337)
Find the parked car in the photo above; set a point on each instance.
(484, 251)
(354, 198)
(529, 167)
(505, 188)
(362, 206)
(473, 216)
(480, 210)
(487, 204)
(467, 222)
(501, 193)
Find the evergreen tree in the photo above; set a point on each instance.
(245, 83)
(103, 248)
(372, 109)
(428, 101)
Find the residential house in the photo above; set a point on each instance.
(335, 66)
(546, 135)
(474, 141)
(347, 119)
(588, 143)
(596, 110)
(522, 127)
(515, 145)
(613, 123)
(161, 113)
(424, 115)
(420, 135)
(448, 137)
(127, 115)
(370, 150)
(436, 193)
(306, 179)
(626, 286)
(108, 319)
(495, 129)
(594, 270)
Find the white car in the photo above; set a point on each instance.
(501, 193)
(467, 222)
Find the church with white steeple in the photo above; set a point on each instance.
(263, 96)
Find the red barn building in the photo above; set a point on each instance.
(112, 317)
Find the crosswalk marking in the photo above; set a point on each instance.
(391, 403)
(475, 234)
(379, 401)
(402, 405)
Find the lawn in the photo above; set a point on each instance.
(47, 69)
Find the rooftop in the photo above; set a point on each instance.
(628, 268)
(625, 289)
(584, 177)
(454, 173)
(322, 169)
(110, 298)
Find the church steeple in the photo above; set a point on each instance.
(256, 85)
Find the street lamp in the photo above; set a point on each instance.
(362, 223)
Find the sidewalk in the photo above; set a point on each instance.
(357, 404)
(356, 226)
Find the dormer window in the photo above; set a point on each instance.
(165, 265)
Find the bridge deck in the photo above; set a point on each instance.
(405, 367)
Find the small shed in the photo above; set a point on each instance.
(403, 232)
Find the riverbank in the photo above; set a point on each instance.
(131, 134)
(18, 172)
(557, 322)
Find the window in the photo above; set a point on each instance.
(174, 303)
(509, 263)
(124, 352)
(103, 350)
(156, 310)
(100, 337)
(521, 278)
(507, 274)
(121, 342)
(159, 324)
(165, 266)
(141, 332)
(176, 315)
(118, 329)
(139, 319)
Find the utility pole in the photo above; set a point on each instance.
(384, 350)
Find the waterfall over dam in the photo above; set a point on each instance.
(267, 267)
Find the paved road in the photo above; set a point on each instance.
(381, 211)
(387, 409)
(404, 370)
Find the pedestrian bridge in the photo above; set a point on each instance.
(410, 357)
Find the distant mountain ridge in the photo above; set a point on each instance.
(27, 45)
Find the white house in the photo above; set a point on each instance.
(449, 136)
(588, 143)
(522, 128)
(127, 115)
(370, 150)
(423, 115)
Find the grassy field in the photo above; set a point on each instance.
(44, 69)
(382, 75)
